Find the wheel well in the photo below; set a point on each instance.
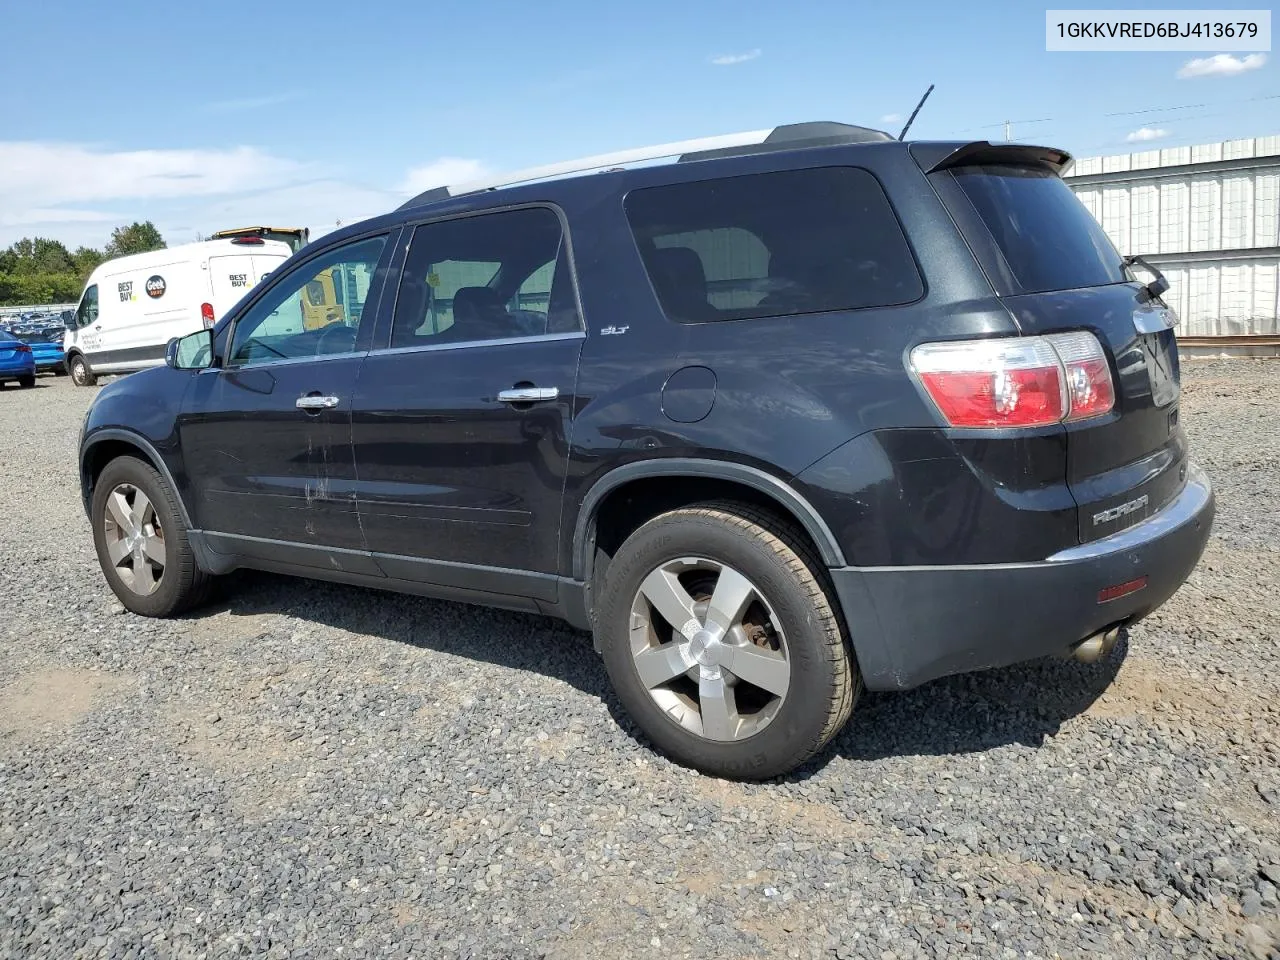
(625, 509)
(102, 453)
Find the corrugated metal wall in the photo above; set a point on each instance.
(1214, 232)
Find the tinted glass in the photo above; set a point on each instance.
(1048, 238)
(772, 244)
(87, 312)
(496, 276)
(303, 314)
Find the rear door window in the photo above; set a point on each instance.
(1047, 237)
(772, 244)
(497, 276)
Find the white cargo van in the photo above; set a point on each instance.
(132, 306)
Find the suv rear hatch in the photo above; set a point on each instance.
(1056, 270)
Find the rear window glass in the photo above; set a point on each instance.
(1048, 238)
(772, 244)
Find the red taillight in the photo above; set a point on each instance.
(1016, 381)
(249, 241)
(1089, 389)
(22, 348)
(1009, 382)
(206, 315)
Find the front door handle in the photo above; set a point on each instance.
(314, 402)
(528, 394)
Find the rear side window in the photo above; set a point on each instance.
(772, 244)
(1046, 235)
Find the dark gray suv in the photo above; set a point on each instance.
(798, 413)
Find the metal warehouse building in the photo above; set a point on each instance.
(1208, 217)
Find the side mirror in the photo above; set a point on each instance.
(192, 352)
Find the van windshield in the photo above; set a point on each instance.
(1048, 238)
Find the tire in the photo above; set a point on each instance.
(28, 381)
(60, 370)
(81, 375)
(787, 618)
(160, 590)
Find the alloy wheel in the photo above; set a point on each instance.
(134, 539)
(708, 648)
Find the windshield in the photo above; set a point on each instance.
(1046, 235)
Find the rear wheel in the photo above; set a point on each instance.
(142, 542)
(721, 641)
(28, 381)
(60, 370)
(81, 375)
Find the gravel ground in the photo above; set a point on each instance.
(305, 770)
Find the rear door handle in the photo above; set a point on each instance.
(528, 394)
(316, 403)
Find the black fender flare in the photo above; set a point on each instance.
(145, 446)
(771, 486)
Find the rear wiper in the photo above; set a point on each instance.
(1153, 289)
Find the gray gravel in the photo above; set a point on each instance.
(304, 769)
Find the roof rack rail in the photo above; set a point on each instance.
(786, 137)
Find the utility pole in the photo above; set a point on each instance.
(1008, 131)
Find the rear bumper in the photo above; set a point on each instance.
(913, 624)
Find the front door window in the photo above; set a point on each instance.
(313, 311)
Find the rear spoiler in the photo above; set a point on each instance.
(933, 157)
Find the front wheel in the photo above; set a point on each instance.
(142, 542)
(722, 643)
(81, 375)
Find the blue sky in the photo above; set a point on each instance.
(202, 116)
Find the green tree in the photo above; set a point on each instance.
(135, 238)
(85, 260)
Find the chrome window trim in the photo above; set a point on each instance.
(286, 361)
(464, 344)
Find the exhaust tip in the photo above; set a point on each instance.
(1109, 641)
(1089, 650)
(1094, 648)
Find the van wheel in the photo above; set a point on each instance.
(142, 542)
(721, 641)
(81, 375)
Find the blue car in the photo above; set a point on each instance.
(16, 361)
(46, 349)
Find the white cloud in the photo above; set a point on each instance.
(1221, 65)
(729, 59)
(48, 215)
(1143, 134)
(77, 193)
(250, 103)
(441, 173)
(320, 205)
(892, 118)
(34, 174)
